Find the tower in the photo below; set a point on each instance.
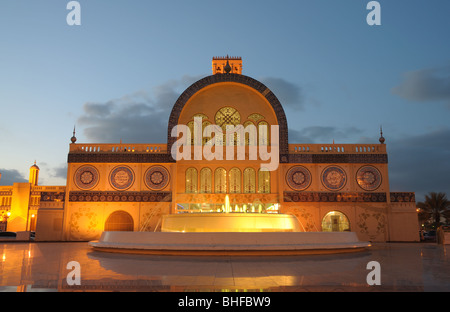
(34, 175)
(227, 65)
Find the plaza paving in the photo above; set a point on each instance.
(43, 267)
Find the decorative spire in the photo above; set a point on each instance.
(73, 139)
(227, 67)
(382, 139)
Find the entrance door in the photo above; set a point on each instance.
(335, 223)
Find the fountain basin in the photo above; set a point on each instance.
(229, 222)
(229, 243)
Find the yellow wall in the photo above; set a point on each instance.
(19, 207)
(86, 220)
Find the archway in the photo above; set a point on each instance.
(235, 78)
(335, 221)
(119, 221)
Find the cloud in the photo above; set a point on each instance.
(322, 134)
(142, 116)
(10, 176)
(139, 117)
(289, 94)
(59, 172)
(420, 163)
(425, 85)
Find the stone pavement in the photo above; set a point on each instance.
(403, 267)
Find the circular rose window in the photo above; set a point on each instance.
(86, 177)
(334, 178)
(121, 178)
(157, 178)
(298, 178)
(368, 178)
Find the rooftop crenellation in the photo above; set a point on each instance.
(227, 58)
(227, 65)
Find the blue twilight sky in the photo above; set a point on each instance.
(118, 74)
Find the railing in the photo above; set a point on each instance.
(6, 189)
(293, 148)
(58, 188)
(337, 148)
(118, 148)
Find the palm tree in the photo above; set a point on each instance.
(435, 206)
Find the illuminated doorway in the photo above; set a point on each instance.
(335, 221)
(119, 221)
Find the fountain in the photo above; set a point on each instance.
(229, 233)
(229, 221)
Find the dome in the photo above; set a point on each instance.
(34, 166)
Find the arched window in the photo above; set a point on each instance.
(235, 180)
(119, 221)
(190, 125)
(251, 134)
(249, 180)
(227, 116)
(263, 133)
(205, 180)
(191, 180)
(335, 221)
(205, 139)
(220, 181)
(263, 181)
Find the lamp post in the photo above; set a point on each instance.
(421, 225)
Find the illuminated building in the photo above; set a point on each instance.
(129, 187)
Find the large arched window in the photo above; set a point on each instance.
(335, 221)
(227, 116)
(220, 181)
(119, 221)
(205, 180)
(235, 180)
(249, 180)
(191, 180)
(263, 181)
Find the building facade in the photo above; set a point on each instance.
(328, 187)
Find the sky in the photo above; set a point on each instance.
(117, 75)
